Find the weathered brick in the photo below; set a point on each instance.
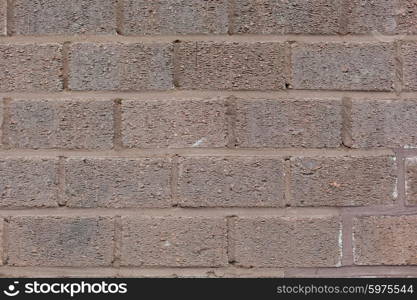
(407, 17)
(174, 242)
(228, 181)
(3, 17)
(343, 181)
(69, 124)
(409, 61)
(231, 65)
(117, 182)
(411, 180)
(30, 68)
(28, 182)
(280, 17)
(176, 123)
(287, 241)
(381, 123)
(60, 241)
(385, 240)
(39, 17)
(343, 66)
(175, 17)
(125, 67)
(288, 123)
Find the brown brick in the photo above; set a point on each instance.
(288, 123)
(343, 181)
(409, 61)
(280, 17)
(231, 65)
(227, 181)
(343, 66)
(174, 242)
(68, 124)
(287, 241)
(40, 17)
(117, 182)
(407, 17)
(30, 68)
(175, 17)
(60, 241)
(174, 123)
(124, 67)
(3, 17)
(385, 240)
(28, 182)
(411, 180)
(381, 123)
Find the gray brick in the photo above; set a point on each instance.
(343, 181)
(28, 182)
(231, 65)
(124, 67)
(411, 180)
(174, 123)
(117, 182)
(30, 68)
(3, 17)
(409, 61)
(227, 181)
(343, 66)
(67, 124)
(175, 17)
(174, 242)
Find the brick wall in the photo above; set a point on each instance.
(208, 138)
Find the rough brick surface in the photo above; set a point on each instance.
(284, 123)
(125, 67)
(411, 180)
(409, 61)
(280, 17)
(343, 66)
(175, 17)
(30, 68)
(28, 182)
(122, 182)
(407, 17)
(38, 17)
(3, 17)
(60, 241)
(176, 124)
(343, 181)
(287, 241)
(224, 181)
(69, 124)
(385, 240)
(169, 241)
(381, 123)
(228, 65)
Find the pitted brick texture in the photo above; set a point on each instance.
(409, 60)
(411, 180)
(3, 17)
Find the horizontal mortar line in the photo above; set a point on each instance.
(347, 271)
(175, 212)
(376, 37)
(379, 210)
(194, 152)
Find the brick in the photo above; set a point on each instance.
(228, 181)
(28, 182)
(174, 242)
(117, 182)
(175, 17)
(231, 65)
(343, 181)
(291, 17)
(411, 180)
(3, 17)
(343, 66)
(174, 124)
(385, 240)
(288, 123)
(67, 124)
(287, 241)
(409, 61)
(40, 17)
(124, 67)
(381, 123)
(30, 68)
(407, 17)
(60, 241)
